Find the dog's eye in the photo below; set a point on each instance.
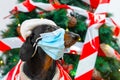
(49, 29)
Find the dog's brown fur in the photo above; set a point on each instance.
(41, 66)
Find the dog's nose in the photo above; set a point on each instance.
(76, 36)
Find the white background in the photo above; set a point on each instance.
(7, 5)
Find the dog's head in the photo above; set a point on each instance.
(33, 31)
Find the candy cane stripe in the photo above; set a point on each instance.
(95, 3)
(89, 63)
(117, 55)
(104, 1)
(13, 42)
(22, 8)
(92, 33)
(21, 38)
(86, 1)
(28, 5)
(4, 47)
(102, 8)
(85, 76)
(44, 6)
(88, 49)
(117, 28)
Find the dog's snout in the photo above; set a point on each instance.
(75, 36)
(70, 38)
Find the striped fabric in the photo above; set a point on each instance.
(14, 73)
(95, 3)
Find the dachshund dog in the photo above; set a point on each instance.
(40, 66)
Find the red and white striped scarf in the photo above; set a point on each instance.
(14, 73)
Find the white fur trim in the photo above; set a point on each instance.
(22, 74)
(57, 74)
(30, 24)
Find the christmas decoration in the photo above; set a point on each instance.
(10, 43)
(96, 75)
(95, 3)
(89, 54)
(109, 51)
(1, 62)
(72, 22)
(108, 48)
(18, 30)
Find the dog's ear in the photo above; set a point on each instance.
(26, 50)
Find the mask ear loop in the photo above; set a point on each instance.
(35, 45)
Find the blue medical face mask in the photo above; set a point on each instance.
(53, 43)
